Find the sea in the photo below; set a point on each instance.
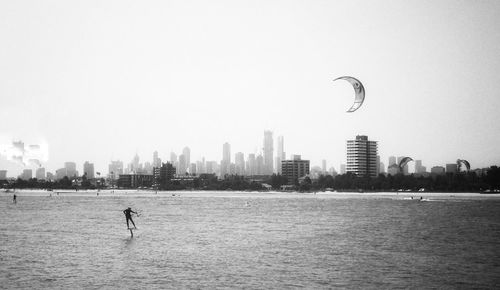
(249, 240)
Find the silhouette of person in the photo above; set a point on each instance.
(14, 198)
(128, 216)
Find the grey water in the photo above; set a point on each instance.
(250, 241)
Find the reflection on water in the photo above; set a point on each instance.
(233, 240)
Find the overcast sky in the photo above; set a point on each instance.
(102, 80)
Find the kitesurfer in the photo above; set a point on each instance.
(128, 216)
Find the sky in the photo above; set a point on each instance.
(103, 80)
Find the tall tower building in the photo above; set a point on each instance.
(362, 156)
(70, 169)
(259, 165)
(418, 166)
(156, 160)
(181, 170)
(280, 154)
(40, 173)
(392, 160)
(323, 166)
(173, 158)
(88, 168)
(226, 159)
(251, 165)
(268, 153)
(239, 161)
(187, 155)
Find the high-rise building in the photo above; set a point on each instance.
(88, 169)
(70, 169)
(156, 160)
(40, 173)
(115, 168)
(294, 169)
(173, 158)
(418, 166)
(3, 174)
(226, 159)
(438, 170)
(268, 153)
(187, 155)
(323, 166)
(259, 165)
(182, 165)
(192, 169)
(239, 161)
(342, 169)
(405, 168)
(251, 165)
(392, 160)
(162, 175)
(382, 167)
(451, 168)
(61, 173)
(280, 154)
(362, 156)
(27, 174)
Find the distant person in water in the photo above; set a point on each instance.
(128, 215)
(14, 198)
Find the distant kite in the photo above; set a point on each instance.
(403, 163)
(359, 92)
(464, 162)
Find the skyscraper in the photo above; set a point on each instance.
(362, 156)
(280, 154)
(88, 169)
(323, 166)
(27, 174)
(173, 158)
(182, 169)
(251, 165)
(40, 173)
(260, 167)
(239, 160)
(187, 155)
(268, 153)
(392, 160)
(226, 159)
(115, 168)
(70, 169)
(156, 160)
(3, 174)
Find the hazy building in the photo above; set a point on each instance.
(382, 168)
(192, 169)
(378, 164)
(173, 158)
(115, 168)
(251, 165)
(200, 166)
(294, 169)
(3, 174)
(280, 154)
(323, 166)
(88, 169)
(211, 167)
(60, 173)
(239, 162)
(451, 168)
(226, 159)
(182, 165)
(156, 160)
(259, 164)
(392, 160)
(418, 166)
(27, 174)
(70, 169)
(268, 153)
(342, 169)
(50, 176)
(362, 156)
(39, 173)
(187, 155)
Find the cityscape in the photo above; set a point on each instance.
(269, 169)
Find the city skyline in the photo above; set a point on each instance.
(102, 84)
